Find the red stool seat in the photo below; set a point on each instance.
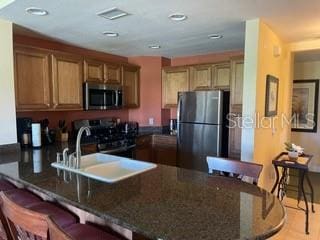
(87, 232)
(6, 185)
(23, 197)
(60, 216)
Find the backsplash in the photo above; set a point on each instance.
(70, 116)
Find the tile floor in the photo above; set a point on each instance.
(295, 223)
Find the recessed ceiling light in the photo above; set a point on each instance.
(37, 11)
(178, 17)
(215, 36)
(112, 13)
(154, 46)
(110, 34)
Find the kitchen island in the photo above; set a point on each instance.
(163, 203)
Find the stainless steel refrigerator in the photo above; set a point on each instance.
(201, 127)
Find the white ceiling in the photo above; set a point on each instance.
(76, 22)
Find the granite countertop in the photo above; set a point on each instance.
(163, 203)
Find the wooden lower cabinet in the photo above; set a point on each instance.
(160, 149)
(144, 148)
(67, 79)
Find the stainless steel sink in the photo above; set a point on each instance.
(108, 168)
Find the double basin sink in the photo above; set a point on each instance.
(107, 168)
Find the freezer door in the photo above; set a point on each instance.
(200, 107)
(195, 143)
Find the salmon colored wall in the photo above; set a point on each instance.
(207, 58)
(150, 91)
(58, 46)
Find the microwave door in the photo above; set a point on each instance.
(110, 103)
(96, 99)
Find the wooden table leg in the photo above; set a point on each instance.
(311, 189)
(301, 179)
(277, 179)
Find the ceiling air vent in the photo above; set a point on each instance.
(112, 13)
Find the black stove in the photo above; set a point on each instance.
(111, 138)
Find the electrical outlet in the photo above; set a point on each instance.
(151, 121)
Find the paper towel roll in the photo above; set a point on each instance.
(37, 161)
(36, 134)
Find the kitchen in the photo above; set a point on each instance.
(150, 85)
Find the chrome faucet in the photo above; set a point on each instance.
(78, 147)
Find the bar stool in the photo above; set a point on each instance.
(78, 231)
(23, 223)
(6, 185)
(4, 230)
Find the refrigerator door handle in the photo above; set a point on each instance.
(178, 119)
(178, 109)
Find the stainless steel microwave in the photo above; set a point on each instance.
(100, 96)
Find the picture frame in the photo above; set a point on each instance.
(272, 89)
(305, 94)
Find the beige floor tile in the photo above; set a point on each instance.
(294, 228)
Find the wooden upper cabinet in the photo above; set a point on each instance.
(32, 79)
(130, 84)
(67, 78)
(93, 71)
(221, 75)
(112, 74)
(201, 77)
(174, 80)
(236, 85)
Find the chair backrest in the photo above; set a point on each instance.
(23, 223)
(55, 232)
(236, 167)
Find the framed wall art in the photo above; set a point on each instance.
(272, 88)
(305, 105)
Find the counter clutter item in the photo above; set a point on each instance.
(36, 134)
(302, 165)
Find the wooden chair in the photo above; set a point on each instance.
(236, 168)
(55, 232)
(23, 223)
(78, 231)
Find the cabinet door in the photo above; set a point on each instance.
(236, 86)
(32, 79)
(222, 76)
(201, 77)
(235, 136)
(174, 80)
(67, 76)
(130, 83)
(144, 148)
(93, 71)
(113, 74)
(165, 150)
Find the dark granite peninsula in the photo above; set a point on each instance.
(163, 203)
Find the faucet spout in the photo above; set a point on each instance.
(78, 147)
